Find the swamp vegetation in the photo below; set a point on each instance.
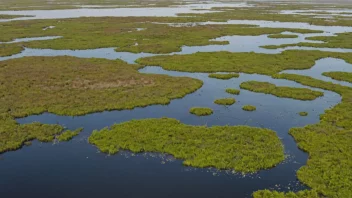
(225, 101)
(75, 86)
(241, 148)
(224, 76)
(201, 111)
(233, 91)
(282, 92)
(342, 76)
(249, 108)
(246, 62)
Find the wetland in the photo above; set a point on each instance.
(190, 99)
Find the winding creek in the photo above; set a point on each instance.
(82, 171)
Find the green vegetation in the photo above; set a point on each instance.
(343, 76)
(282, 92)
(342, 40)
(225, 101)
(224, 76)
(121, 32)
(6, 16)
(328, 170)
(247, 62)
(74, 86)
(9, 49)
(233, 91)
(13, 136)
(249, 108)
(68, 135)
(303, 113)
(282, 36)
(201, 111)
(275, 194)
(242, 148)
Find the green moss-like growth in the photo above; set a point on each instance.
(343, 76)
(246, 62)
(201, 111)
(303, 113)
(225, 101)
(249, 108)
(282, 92)
(6, 16)
(81, 33)
(224, 76)
(328, 170)
(77, 86)
(276, 194)
(277, 36)
(13, 136)
(342, 40)
(74, 86)
(233, 91)
(68, 135)
(242, 148)
(10, 49)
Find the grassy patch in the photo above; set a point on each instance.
(278, 36)
(74, 86)
(77, 86)
(225, 101)
(224, 76)
(343, 76)
(13, 136)
(242, 148)
(276, 194)
(201, 111)
(68, 135)
(282, 92)
(6, 16)
(249, 108)
(121, 32)
(233, 91)
(303, 113)
(247, 62)
(328, 143)
(10, 49)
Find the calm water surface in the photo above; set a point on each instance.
(78, 169)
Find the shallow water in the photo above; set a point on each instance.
(325, 65)
(117, 12)
(77, 169)
(67, 164)
(32, 39)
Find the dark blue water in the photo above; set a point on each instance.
(78, 169)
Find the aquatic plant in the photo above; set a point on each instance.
(276, 194)
(201, 111)
(277, 36)
(224, 76)
(9, 49)
(303, 113)
(13, 136)
(343, 76)
(342, 40)
(328, 143)
(81, 33)
(249, 108)
(74, 86)
(282, 92)
(246, 62)
(225, 101)
(68, 135)
(242, 148)
(233, 91)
